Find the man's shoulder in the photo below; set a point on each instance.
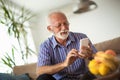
(48, 41)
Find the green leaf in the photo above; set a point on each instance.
(14, 17)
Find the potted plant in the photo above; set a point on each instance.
(15, 17)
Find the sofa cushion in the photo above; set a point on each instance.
(27, 68)
(22, 77)
(6, 76)
(113, 44)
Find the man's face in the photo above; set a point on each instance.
(60, 26)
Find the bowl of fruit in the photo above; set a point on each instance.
(104, 63)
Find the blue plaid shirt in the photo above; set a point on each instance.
(51, 52)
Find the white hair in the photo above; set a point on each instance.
(51, 13)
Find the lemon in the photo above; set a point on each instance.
(103, 69)
(93, 67)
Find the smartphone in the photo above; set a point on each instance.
(84, 42)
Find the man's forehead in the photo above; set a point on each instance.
(57, 17)
(57, 21)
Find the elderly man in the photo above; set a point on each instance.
(60, 56)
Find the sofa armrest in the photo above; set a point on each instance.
(113, 44)
(27, 68)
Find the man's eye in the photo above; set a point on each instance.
(59, 25)
(65, 24)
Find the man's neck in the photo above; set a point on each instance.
(61, 41)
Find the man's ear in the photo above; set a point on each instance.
(49, 28)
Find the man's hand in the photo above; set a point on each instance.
(71, 57)
(85, 52)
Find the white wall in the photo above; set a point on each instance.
(100, 24)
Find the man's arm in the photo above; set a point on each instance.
(50, 69)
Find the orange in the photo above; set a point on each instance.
(111, 52)
(97, 57)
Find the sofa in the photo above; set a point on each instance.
(113, 44)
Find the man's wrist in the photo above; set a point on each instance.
(64, 64)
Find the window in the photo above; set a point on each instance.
(6, 44)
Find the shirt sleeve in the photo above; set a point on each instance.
(93, 48)
(44, 55)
